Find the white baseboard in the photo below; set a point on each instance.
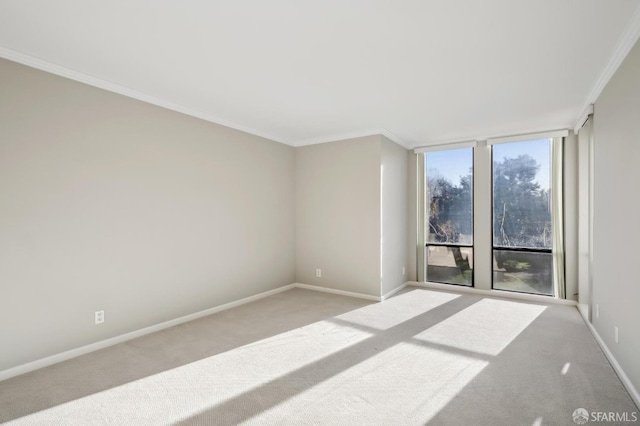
(63, 356)
(584, 311)
(582, 308)
(83, 350)
(350, 293)
(494, 293)
(392, 292)
(612, 359)
(336, 291)
(73, 353)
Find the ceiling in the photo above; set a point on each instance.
(299, 72)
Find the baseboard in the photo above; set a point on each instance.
(336, 291)
(582, 308)
(83, 350)
(63, 356)
(494, 293)
(635, 395)
(351, 293)
(394, 291)
(584, 311)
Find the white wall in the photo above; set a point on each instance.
(338, 215)
(394, 217)
(482, 217)
(585, 145)
(570, 194)
(412, 216)
(616, 282)
(110, 203)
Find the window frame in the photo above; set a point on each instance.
(426, 216)
(494, 247)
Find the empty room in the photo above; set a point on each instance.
(308, 213)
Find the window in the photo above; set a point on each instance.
(449, 223)
(522, 217)
(517, 182)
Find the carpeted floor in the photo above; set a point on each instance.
(308, 358)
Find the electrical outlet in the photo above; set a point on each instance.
(404, 271)
(318, 273)
(597, 310)
(99, 317)
(615, 332)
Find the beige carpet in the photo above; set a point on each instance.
(308, 358)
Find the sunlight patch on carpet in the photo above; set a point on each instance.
(412, 383)
(486, 327)
(174, 394)
(398, 309)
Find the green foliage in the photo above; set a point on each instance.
(521, 215)
(513, 265)
(450, 208)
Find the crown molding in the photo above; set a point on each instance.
(352, 135)
(622, 48)
(90, 80)
(43, 65)
(510, 134)
(561, 133)
(394, 138)
(583, 118)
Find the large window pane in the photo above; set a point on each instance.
(521, 194)
(449, 221)
(450, 264)
(522, 231)
(450, 196)
(528, 272)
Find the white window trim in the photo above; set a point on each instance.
(446, 146)
(529, 137)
